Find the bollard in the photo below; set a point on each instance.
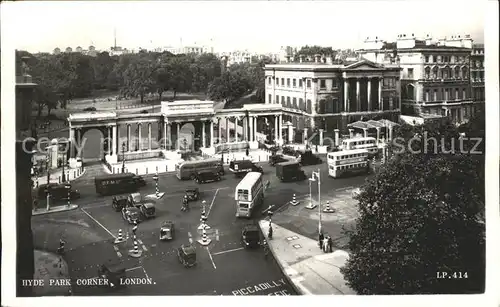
(136, 172)
(146, 170)
(59, 179)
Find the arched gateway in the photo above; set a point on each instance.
(190, 125)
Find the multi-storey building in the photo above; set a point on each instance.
(434, 77)
(330, 96)
(477, 75)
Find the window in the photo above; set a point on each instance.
(277, 81)
(294, 82)
(335, 83)
(426, 98)
(322, 83)
(300, 82)
(427, 73)
(301, 104)
(282, 81)
(434, 73)
(308, 83)
(270, 98)
(457, 72)
(464, 94)
(294, 102)
(269, 81)
(446, 94)
(277, 99)
(283, 100)
(287, 82)
(445, 73)
(410, 73)
(426, 59)
(288, 101)
(308, 106)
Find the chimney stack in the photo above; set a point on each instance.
(288, 59)
(329, 59)
(317, 58)
(301, 58)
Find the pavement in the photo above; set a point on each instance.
(224, 267)
(56, 175)
(53, 270)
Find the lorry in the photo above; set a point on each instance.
(241, 167)
(118, 183)
(290, 171)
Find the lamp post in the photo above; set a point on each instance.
(47, 126)
(123, 157)
(63, 179)
(318, 175)
(270, 232)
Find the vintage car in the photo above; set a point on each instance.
(250, 236)
(58, 191)
(135, 199)
(119, 202)
(187, 255)
(148, 209)
(206, 176)
(131, 214)
(167, 231)
(275, 159)
(193, 194)
(112, 272)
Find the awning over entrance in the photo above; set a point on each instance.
(371, 124)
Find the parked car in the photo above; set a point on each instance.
(119, 202)
(167, 231)
(250, 236)
(135, 199)
(193, 194)
(113, 273)
(290, 171)
(206, 176)
(131, 214)
(144, 112)
(90, 109)
(148, 210)
(275, 159)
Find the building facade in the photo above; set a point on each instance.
(435, 76)
(477, 75)
(330, 96)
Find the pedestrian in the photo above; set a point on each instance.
(321, 240)
(330, 244)
(325, 244)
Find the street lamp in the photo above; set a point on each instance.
(123, 157)
(317, 175)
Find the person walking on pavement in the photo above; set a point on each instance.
(320, 240)
(330, 244)
(325, 244)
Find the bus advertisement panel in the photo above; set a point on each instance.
(368, 143)
(348, 162)
(249, 194)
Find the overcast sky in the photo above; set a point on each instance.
(261, 26)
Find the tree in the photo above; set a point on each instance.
(180, 75)
(139, 76)
(311, 51)
(229, 87)
(423, 213)
(102, 65)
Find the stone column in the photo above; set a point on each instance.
(211, 133)
(118, 142)
(251, 129)
(203, 136)
(149, 136)
(336, 131)
(128, 138)
(365, 132)
(168, 136)
(390, 133)
(276, 128)
(321, 137)
(380, 102)
(109, 141)
(165, 137)
(177, 140)
(72, 142)
(369, 93)
(139, 135)
(220, 130)
(114, 141)
(244, 127)
(280, 122)
(378, 134)
(358, 100)
(254, 129)
(228, 135)
(236, 129)
(273, 80)
(290, 134)
(351, 133)
(346, 95)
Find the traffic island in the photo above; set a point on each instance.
(54, 209)
(307, 268)
(154, 196)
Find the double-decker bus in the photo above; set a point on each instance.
(348, 162)
(188, 169)
(249, 193)
(368, 143)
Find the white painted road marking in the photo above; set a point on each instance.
(211, 204)
(217, 234)
(117, 250)
(212, 259)
(190, 238)
(98, 223)
(228, 251)
(131, 269)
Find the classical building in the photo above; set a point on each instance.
(328, 95)
(434, 77)
(477, 74)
